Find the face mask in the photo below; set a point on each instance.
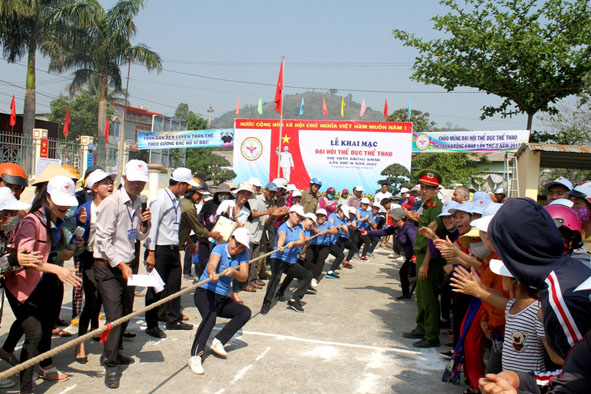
(12, 223)
(479, 250)
(584, 215)
(330, 196)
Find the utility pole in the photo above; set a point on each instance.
(121, 155)
(209, 112)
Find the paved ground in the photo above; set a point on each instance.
(348, 340)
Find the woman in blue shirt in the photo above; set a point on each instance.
(338, 221)
(290, 239)
(319, 248)
(227, 261)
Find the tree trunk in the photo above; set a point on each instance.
(29, 110)
(530, 119)
(102, 121)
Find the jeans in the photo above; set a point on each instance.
(211, 305)
(279, 267)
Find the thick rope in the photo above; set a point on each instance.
(95, 333)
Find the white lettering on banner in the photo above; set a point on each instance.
(481, 141)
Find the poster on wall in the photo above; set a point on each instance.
(469, 141)
(342, 154)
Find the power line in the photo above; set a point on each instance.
(292, 64)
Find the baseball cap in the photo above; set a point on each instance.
(62, 191)
(280, 182)
(498, 267)
(201, 187)
(465, 206)
(296, 193)
(8, 201)
(563, 201)
(183, 175)
(297, 209)
(255, 181)
(404, 190)
(96, 176)
(242, 235)
(582, 190)
(560, 181)
(271, 187)
(378, 206)
(311, 216)
(365, 200)
(345, 191)
(481, 224)
(397, 213)
(291, 187)
(136, 170)
(359, 188)
(321, 211)
(447, 206)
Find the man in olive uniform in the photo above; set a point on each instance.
(310, 196)
(427, 329)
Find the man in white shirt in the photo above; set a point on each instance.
(119, 223)
(384, 193)
(163, 251)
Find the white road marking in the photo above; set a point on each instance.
(344, 344)
(68, 389)
(263, 353)
(241, 373)
(220, 391)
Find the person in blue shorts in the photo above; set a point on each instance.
(227, 262)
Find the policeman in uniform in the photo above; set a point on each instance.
(427, 329)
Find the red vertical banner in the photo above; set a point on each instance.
(44, 148)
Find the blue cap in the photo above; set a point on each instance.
(271, 187)
(316, 181)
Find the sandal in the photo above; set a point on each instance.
(53, 375)
(256, 286)
(249, 288)
(61, 333)
(260, 283)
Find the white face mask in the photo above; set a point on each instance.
(479, 250)
(12, 223)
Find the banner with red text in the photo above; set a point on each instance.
(342, 154)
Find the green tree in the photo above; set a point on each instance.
(28, 26)
(216, 167)
(531, 54)
(100, 50)
(396, 176)
(454, 167)
(194, 121)
(420, 120)
(83, 109)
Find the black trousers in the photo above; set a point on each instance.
(188, 259)
(278, 268)
(116, 303)
(92, 298)
(407, 270)
(374, 242)
(205, 248)
(35, 318)
(347, 243)
(339, 255)
(316, 256)
(359, 239)
(211, 305)
(168, 265)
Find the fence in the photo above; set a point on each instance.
(17, 148)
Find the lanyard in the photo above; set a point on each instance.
(130, 216)
(176, 212)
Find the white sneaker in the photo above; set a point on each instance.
(218, 348)
(314, 282)
(195, 365)
(391, 256)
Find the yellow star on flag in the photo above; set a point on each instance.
(286, 139)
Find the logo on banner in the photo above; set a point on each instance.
(251, 148)
(423, 141)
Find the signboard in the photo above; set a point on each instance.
(469, 141)
(214, 138)
(343, 154)
(90, 156)
(42, 164)
(44, 152)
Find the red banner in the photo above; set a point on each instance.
(44, 148)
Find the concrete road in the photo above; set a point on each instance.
(348, 340)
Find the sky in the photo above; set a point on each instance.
(326, 44)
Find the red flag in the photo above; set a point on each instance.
(12, 113)
(386, 109)
(238, 107)
(324, 109)
(67, 122)
(279, 91)
(107, 126)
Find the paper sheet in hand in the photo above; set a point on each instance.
(152, 279)
(225, 227)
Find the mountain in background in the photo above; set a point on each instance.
(312, 110)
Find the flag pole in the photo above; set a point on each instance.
(280, 120)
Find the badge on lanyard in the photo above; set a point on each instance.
(132, 234)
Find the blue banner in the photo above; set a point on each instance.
(214, 138)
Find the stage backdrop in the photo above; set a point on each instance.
(342, 154)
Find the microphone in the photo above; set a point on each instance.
(144, 200)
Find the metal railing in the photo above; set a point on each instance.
(19, 149)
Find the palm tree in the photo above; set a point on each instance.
(99, 52)
(25, 27)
